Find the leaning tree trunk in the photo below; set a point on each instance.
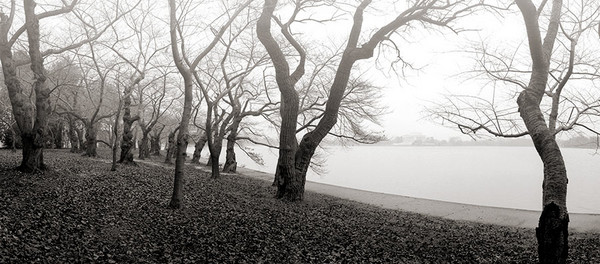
(552, 231)
(230, 160)
(198, 148)
(91, 140)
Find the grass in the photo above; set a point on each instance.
(79, 211)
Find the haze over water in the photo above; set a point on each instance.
(509, 177)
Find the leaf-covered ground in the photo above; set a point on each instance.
(79, 211)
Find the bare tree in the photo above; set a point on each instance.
(536, 86)
(234, 66)
(31, 118)
(186, 70)
(156, 95)
(294, 158)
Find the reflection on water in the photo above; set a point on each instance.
(493, 176)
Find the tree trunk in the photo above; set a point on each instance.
(277, 178)
(198, 148)
(115, 145)
(127, 143)
(135, 140)
(58, 135)
(215, 153)
(288, 187)
(91, 140)
(32, 121)
(73, 135)
(155, 145)
(230, 160)
(171, 147)
(144, 150)
(81, 139)
(33, 155)
(34, 159)
(552, 231)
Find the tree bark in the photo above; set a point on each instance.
(155, 144)
(230, 160)
(58, 134)
(182, 136)
(33, 160)
(73, 135)
(215, 154)
(186, 73)
(91, 140)
(144, 148)
(81, 139)
(127, 143)
(289, 187)
(115, 144)
(552, 231)
(198, 148)
(171, 146)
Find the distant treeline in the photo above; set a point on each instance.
(574, 142)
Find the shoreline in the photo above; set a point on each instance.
(582, 223)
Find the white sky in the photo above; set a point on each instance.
(437, 54)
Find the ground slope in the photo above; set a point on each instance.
(79, 211)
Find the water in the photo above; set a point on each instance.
(509, 177)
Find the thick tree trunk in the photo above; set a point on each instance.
(127, 139)
(81, 139)
(33, 159)
(31, 121)
(58, 135)
(33, 156)
(198, 148)
(215, 153)
(552, 231)
(91, 141)
(277, 178)
(289, 187)
(155, 145)
(135, 140)
(144, 148)
(230, 160)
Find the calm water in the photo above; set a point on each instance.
(493, 176)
